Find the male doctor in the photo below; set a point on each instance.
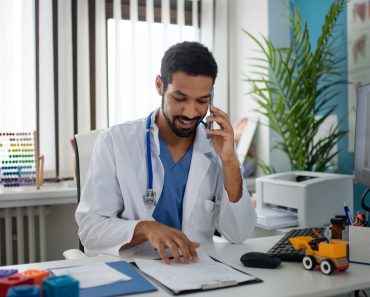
(166, 179)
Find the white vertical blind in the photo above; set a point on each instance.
(195, 19)
(46, 88)
(180, 17)
(165, 18)
(65, 89)
(207, 24)
(114, 63)
(150, 55)
(134, 91)
(134, 52)
(221, 53)
(17, 66)
(101, 66)
(83, 69)
(132, 69)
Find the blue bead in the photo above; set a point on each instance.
(60, 286)
(23, 291)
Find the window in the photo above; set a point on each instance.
(17, 66)
(58, 57)
(132, 68)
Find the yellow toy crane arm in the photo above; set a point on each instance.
(302, 242)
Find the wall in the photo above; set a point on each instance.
(314, 12)
(264, 18)
(260, 18)
(251, 16)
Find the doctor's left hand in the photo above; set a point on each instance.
(161, 236)
(223, 143)
(223, 138)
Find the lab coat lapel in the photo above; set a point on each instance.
(200, 163)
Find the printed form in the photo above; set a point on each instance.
(204, 274)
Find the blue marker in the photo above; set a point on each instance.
(348, 214)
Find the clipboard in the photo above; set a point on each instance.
(207, 286)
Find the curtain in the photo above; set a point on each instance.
(57, 57)
(17, 66)
(136, 43)
(72, 77)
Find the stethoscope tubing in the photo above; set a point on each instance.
(150, 192)
(148, 152)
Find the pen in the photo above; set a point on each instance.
(348, 214)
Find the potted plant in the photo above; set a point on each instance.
(295, 87)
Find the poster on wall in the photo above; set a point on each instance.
(358, 32)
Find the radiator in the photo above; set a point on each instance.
(22, 235)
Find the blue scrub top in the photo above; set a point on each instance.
(168, 210)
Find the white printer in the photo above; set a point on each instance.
(314, 196)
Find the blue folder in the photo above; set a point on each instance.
(137, 283)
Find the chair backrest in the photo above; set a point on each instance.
(84, 145)
(84, 149)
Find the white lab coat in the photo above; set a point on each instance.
(112, 200)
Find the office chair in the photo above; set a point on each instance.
(84, 144)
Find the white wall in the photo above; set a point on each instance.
(251, 16)
(258, 18)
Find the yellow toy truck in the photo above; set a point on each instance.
(330, 256)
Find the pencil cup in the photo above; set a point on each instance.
(359, 244)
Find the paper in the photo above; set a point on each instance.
(203, 274)
(142, 251)
(272, 218)
(92, 275)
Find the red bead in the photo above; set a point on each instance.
(12, 281)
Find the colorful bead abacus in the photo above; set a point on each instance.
(17, 159)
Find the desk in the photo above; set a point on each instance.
(49, 194)
(290, 279)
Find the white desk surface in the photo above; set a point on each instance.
(48, 194)
(289, 279)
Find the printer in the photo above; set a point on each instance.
(314, 196)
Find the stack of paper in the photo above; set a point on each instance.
(93, 275)
(205, 274)
(273, 218)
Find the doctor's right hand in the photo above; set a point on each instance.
(161, 236)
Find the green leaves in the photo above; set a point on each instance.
(294, 88)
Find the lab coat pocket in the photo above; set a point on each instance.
(204, 215)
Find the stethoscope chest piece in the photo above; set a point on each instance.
(150, 198)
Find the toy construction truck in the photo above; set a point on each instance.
(329, 256)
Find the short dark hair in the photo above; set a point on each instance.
(192, 58)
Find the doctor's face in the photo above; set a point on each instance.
(185, 102)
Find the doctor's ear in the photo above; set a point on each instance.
(159, 85)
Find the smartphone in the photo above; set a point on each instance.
(210, 125)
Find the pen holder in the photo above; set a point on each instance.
(359, 244)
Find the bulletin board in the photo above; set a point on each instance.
(358, 32)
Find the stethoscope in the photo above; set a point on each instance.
(150, 196)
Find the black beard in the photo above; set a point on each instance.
(178, 131)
